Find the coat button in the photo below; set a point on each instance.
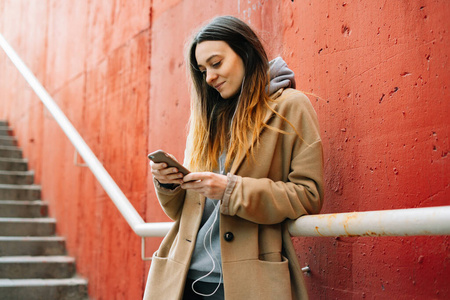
(229, 236)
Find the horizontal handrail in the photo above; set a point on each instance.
(394, 222)
(399, 222)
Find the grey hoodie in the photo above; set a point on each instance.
(280, 75)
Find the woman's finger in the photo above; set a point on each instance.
(164, 174)
(157, 166)
(208, 184)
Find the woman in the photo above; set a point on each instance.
(255, 156)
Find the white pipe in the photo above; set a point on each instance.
(397, 222)
(153, 229)
(128, 211)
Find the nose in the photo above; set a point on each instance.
(210, 77)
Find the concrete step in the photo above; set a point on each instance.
(23, 209)
(5, 131)
(10, 152)
(3, 123)
(8, 141)
(20, 267)
(33, 264)
(13, 164)
(27, 226)
(20, 192)
(44, 289)
(17, 177)
(32, 246)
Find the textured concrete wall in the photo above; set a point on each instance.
(377, 75)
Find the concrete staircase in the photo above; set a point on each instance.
(33, 261)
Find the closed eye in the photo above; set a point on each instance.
(217, 64)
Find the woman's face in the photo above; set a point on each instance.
(223, 68)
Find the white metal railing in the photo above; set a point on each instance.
(400, 222)
(394, 222)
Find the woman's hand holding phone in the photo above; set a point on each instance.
(165, 174)
(165, 168)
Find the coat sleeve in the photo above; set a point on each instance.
(271, 201)
(171, 200)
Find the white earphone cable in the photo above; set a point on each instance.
(213, 258)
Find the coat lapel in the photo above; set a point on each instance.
(238, 160)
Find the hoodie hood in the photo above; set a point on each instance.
(280, 75)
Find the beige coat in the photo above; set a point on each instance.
(284, 181)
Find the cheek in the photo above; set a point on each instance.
(240, 77)
(241, 71)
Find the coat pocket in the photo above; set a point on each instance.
(166, 279)
(257, 279)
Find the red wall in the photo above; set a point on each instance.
(377, 75)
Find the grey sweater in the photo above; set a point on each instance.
(207, 245)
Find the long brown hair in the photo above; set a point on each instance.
(231, 125)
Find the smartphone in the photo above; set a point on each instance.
(160, 156)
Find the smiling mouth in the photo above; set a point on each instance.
(217, 87)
